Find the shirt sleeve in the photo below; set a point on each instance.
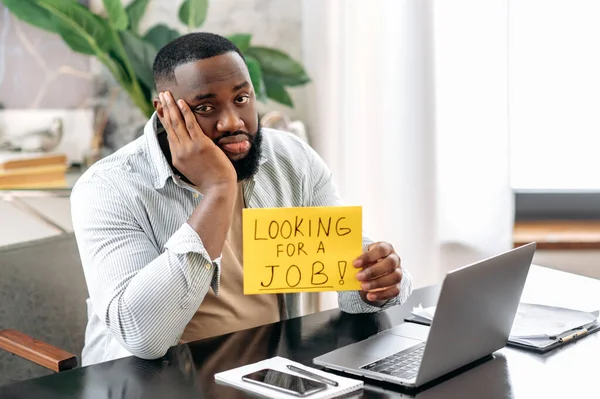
(145, 295)
(325, 193)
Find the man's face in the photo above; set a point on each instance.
(221, 96)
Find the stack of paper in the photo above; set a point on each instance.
(535, 325)
(234, 377)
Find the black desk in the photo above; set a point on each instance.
(188, 370)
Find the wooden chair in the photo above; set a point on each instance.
(42, 308)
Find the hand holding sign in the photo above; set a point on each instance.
(381, 274)
(301, 249)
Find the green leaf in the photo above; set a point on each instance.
(117, 16)
(277, 92)
(280, 65)
(160, 35)
(241, 40)
(72, 38)
(31, 13)
(289, 80)
(192, 13)
(141, 55)
(142, 98)
(148, 92)
(135, 13)
(257, 79)
(81, 29)
(118, 68)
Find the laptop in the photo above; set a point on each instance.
(474, 315)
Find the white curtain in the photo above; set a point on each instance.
(408, 108)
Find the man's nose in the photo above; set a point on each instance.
(230, 121)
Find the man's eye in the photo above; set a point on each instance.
(242, 99)
(204, 108)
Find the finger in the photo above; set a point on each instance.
(390, 293)
(388, 280)
(175, 117)
(191, 123)
(375, 252)
(166, 119)
(381, 268)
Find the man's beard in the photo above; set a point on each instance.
(247, 166)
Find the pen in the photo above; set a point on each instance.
(312, 375)
(583, 331)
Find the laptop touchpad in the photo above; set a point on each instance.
(384, 344)
(410, 330)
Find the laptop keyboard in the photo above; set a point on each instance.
(403, 364)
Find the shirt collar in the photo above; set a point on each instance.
(157, 157)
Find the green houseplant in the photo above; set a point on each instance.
(117, 43)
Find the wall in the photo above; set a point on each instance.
(35, 66)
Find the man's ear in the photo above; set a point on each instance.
(158, 107)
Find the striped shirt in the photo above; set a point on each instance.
(146, 269)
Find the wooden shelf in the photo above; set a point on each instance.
(558, 234)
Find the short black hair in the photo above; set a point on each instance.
(188, 48)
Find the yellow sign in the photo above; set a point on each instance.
(301, 249)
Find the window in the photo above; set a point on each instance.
(554, 94)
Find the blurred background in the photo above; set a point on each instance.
(462, 127)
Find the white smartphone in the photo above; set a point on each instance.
(284, 382)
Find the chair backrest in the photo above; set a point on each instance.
(42, 294)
